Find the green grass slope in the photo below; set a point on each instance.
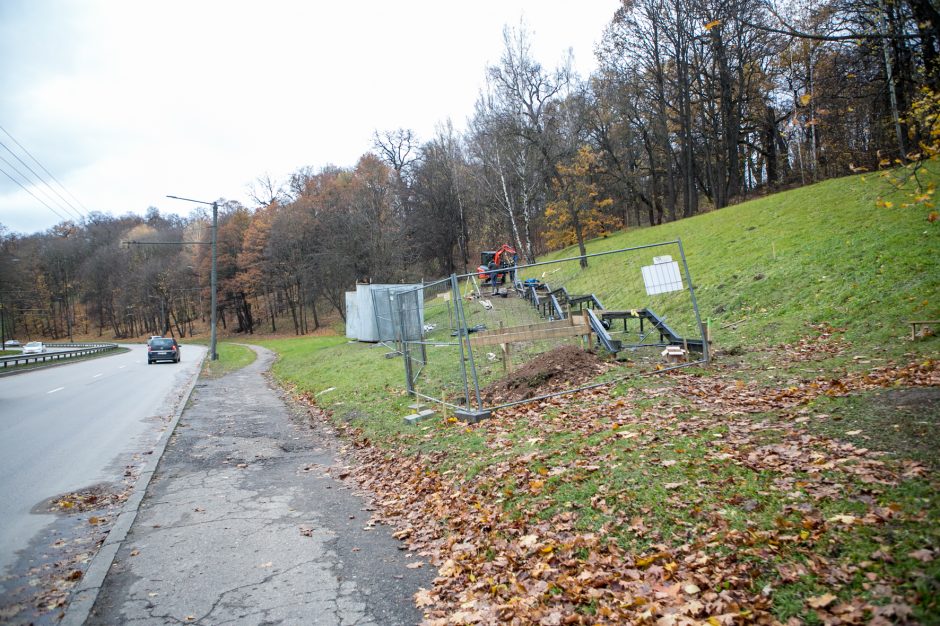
(824, 253)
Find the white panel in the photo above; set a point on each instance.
(352, 316)
(662, 278)
(367, 328)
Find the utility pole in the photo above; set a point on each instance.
(213, 355)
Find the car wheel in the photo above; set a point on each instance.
(149, 362)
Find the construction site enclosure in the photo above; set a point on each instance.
(482, 341)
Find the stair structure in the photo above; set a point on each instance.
(557, 304)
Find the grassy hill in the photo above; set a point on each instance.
(793, 479)
(821, 254)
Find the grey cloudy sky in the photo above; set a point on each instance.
(125, 102)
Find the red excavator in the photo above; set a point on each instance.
(492, 261)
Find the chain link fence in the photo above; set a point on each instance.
(473, 341)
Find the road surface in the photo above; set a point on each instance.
(67, 427)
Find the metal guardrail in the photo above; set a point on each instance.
(80, 349)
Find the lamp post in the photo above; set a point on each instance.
(213, 355)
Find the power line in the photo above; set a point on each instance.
(36, 186)
(43, 168)
(67, 205)
(40, 200)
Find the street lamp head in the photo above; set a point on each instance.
(213, 203)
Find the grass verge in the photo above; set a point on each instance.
(231, 357)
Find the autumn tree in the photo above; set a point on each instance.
(577, 211)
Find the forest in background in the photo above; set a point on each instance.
(696, 104)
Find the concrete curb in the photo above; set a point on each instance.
(84, 595)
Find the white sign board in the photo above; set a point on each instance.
(662, 277)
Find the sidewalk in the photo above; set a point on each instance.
(240, 525)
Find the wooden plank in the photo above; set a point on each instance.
(527, 335)
(534, 327)
(567, 323)
(633, 313)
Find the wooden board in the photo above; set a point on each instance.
(572, 327)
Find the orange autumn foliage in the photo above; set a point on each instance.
(577, 199)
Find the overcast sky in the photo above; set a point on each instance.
(125, 102)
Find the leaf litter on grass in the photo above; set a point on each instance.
(693, 500)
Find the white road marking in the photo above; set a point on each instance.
(97, 375)
(56, 389)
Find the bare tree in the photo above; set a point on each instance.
(265, 191)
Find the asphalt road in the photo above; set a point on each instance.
(68, 427)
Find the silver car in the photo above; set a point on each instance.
(34, 347)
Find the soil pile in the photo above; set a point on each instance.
(559, 369)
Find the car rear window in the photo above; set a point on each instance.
(162, 343)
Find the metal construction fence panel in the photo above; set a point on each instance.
(387, 311)
(469, 340)
(433, 350)
(386, 315)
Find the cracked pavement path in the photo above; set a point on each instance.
(236, 528)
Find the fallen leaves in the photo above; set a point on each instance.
(510, 550)
(424, 597)
(923, 555)
(821, 602)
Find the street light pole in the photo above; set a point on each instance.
(213, 355)
(213, 277)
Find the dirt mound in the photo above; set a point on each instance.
(559, 369)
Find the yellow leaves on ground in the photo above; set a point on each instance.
(424, 597)
(821, 602)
